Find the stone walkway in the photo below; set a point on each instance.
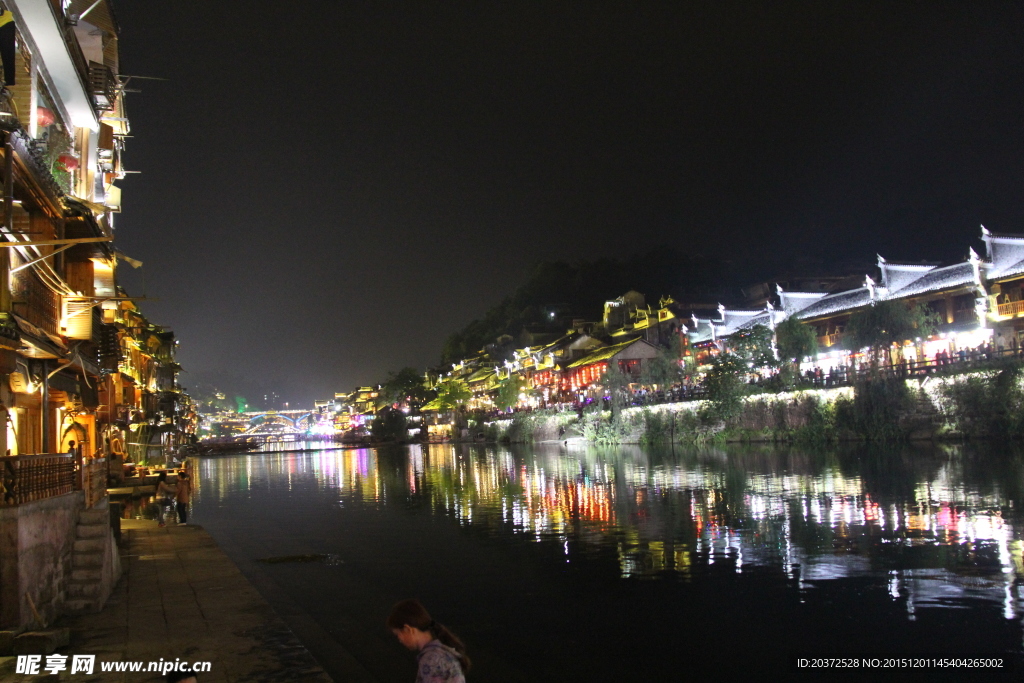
(181, 597)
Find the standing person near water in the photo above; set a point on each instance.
(442, 656)
(164, 493)
(183, 496)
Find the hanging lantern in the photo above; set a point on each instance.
(44, 117)
(67, 162)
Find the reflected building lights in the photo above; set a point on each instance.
(810, 525)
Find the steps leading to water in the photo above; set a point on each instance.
(85, 591)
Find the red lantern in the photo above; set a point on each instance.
(44, 117)
(68, 162)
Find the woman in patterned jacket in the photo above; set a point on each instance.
(442, 656)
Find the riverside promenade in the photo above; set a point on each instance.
(181, 597)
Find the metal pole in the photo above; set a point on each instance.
(44, 409)
(5, 255)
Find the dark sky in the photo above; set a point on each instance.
(329, 189)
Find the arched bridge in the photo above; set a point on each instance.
(280, 422)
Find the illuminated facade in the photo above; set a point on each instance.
(79, 361)
(976, 302)
(1005, 274)
(629, 356)
(484, 385)
(354, 411)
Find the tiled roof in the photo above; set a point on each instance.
(937, 279)
(834, 303)
(1006, 270)
(701, 331)
(930, 280)
(794, 302)
(602, 354)
(1006, 253)
(898, 275)
(480, 375)
(763, 318)
(735, 320)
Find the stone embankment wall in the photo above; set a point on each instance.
(37, 552)
(981, 404)
(37, 541)
(786, 412)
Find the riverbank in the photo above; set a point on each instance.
(985, 403)
(182, 597)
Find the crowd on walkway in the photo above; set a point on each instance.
(824, 376)
(847, 374)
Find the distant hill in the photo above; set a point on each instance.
(558, 291)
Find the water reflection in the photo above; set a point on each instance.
(937, 527)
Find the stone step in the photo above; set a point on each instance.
(7, 642)
(84, 589)
(94, 516)
(93, 530)
(41, 642)
(90, 545)
(81, 606)
(87, 560)
(87, 574)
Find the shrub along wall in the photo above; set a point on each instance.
(981, 404)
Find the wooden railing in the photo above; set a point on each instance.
(972, 359)
(1011, 308)
(26, 478)
(94, 480)
(102, 86)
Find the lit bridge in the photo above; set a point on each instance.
(280, 423)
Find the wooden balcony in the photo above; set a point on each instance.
(102, 87)
(25, 478)
(1011, 308)
(829, 340)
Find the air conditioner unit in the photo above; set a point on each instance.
(76, 320)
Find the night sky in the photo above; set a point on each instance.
(329, 189)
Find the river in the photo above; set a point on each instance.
(629, 563)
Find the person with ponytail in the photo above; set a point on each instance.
(442, 656)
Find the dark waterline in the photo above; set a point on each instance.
(627, 563)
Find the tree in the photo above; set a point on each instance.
(452, 394)
(406, 384)
(664, 369)
(724, 388)
(389, 425)
(755, 346)
(795, 340)
(509, 390)
(886, 323)
(616, 382)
